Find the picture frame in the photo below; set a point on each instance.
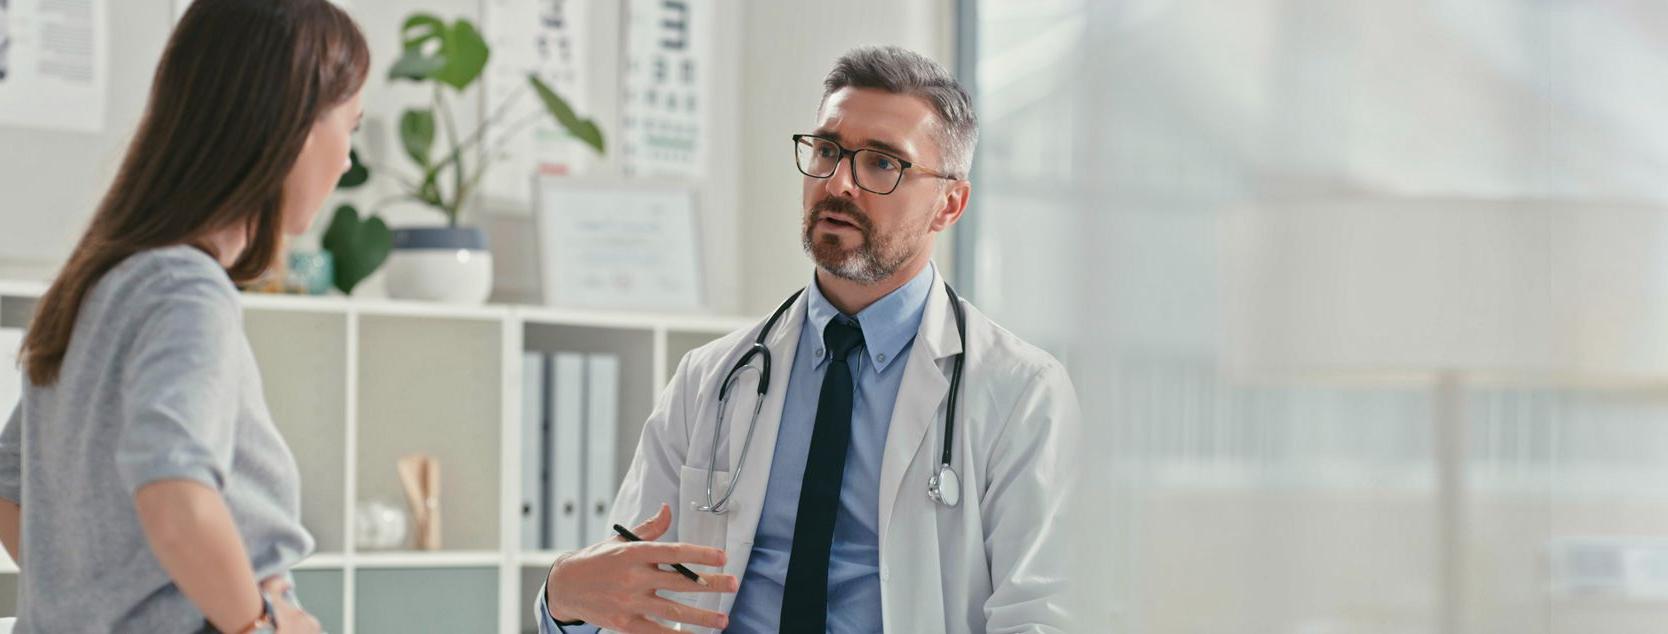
(617, 244)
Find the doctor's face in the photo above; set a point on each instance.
(850, 230)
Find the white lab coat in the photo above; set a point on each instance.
(995, 563)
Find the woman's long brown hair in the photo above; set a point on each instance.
(239, 88)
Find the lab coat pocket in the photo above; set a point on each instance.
(694, 525)
(700, 527)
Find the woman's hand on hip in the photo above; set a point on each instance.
(290, 619)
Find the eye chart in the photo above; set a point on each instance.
(547, 37)
(664, 97)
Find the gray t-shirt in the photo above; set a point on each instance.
(159, 383)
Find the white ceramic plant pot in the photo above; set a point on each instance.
(440, 264)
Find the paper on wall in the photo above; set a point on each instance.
(547, 38)
(53, 64)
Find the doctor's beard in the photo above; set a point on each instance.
(876, 258)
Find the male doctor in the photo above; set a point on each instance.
(830, 526)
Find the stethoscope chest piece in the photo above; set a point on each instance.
(945, 487)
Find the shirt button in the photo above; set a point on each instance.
(882, 358)
(819, 352)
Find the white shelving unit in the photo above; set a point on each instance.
(355, 384)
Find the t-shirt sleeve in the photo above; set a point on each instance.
(179, 384)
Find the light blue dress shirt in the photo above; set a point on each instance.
(889, 326)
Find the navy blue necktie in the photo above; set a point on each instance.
(805, 595)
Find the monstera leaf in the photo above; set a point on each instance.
(452, 54)
(417, 134)
(356, 175)
(357, 247)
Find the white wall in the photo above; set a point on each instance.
(49, 181)
(790, 46)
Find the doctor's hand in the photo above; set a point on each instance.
(612, 584)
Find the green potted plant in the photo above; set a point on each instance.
(451, 262)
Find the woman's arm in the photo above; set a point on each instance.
(191, 532)
(11, 484)
(11, 533)
(181, 401)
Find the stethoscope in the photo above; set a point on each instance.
(944, 487)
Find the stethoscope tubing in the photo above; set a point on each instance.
(763, 353)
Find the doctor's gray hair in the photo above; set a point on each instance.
(904, 72)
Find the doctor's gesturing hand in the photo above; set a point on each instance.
(612, 584)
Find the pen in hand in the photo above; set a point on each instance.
(687, 573)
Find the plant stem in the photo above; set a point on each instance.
(518, 126)
(378, 168)
(474, 139)
(486, 159)
(393, 199)
(455, 207)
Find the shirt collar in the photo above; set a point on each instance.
(888, 325)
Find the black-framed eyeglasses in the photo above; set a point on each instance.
(872, 170)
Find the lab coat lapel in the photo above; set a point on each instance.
(746, 504)
(925, 386)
